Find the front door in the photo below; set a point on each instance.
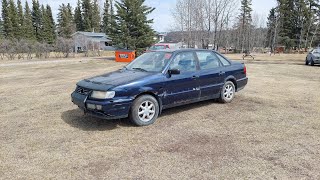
(184, 87)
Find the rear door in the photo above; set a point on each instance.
(211, 74)
(184, 87)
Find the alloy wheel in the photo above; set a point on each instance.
(146, 111)
(228, 92)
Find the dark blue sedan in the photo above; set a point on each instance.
(160, 80)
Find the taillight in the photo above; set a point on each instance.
(245, 70)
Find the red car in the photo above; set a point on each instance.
(162, 46)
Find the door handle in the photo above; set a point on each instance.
(195, 77)
(221, 73)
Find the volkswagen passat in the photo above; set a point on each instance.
(160, 80)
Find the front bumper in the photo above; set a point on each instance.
(316, 61)
(110, 109)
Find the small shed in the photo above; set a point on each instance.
(85, 41)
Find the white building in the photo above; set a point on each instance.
(160, 37)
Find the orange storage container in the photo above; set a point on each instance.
(125, 55)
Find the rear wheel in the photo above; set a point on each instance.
(144, 111)
(228, 92)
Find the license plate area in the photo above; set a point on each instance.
(79, 100)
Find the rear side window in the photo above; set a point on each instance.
(207, 60)
(223, 60)
(185, 62)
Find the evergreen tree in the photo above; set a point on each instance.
(48, 25)
(133, 30)
(28, 29)
(7, 23)
(78, 20)
(13, 15)
(66, 25)
(245, 20)
(96, 18)
(20, 19)
(313, 8)
(1, 29)
(106, 18)
(294, 18)
(51, 22)
(42, 35)
(272, 29)
(36, 19)
(87, 15)
(113, 23)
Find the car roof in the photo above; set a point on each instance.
(180, 50)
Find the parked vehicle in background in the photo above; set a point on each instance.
(159, 80)
(313, 57)
(162, 46)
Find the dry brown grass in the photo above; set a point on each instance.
(270, 131)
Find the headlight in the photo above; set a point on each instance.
(103, 95)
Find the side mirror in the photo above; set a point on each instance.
(174, 71)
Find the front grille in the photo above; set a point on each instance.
(83, 91)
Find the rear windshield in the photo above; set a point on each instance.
(157, 47)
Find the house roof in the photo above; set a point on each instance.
(94, 36)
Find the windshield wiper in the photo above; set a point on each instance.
(140, 69)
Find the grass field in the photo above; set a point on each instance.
(270, 131)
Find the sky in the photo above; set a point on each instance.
(163, 13)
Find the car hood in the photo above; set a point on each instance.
(113, 79)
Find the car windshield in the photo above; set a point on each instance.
(316, 51)
(157, 47)
(150, 62)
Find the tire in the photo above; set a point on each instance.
(228, 92)
(312, 62)
(307, 62)
(144, 110)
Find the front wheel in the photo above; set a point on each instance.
(228, 92)
(307, 62)
(144, 110)
(312, 62)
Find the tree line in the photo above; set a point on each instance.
(213, 24)
(294, 24)
(218, 23)
(124, 21)
(36, 23)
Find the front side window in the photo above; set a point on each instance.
(185, 62)
(207, 60)
(150, 62)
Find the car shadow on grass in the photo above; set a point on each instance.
(303, 64)
(181, 109)
(77, 119)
